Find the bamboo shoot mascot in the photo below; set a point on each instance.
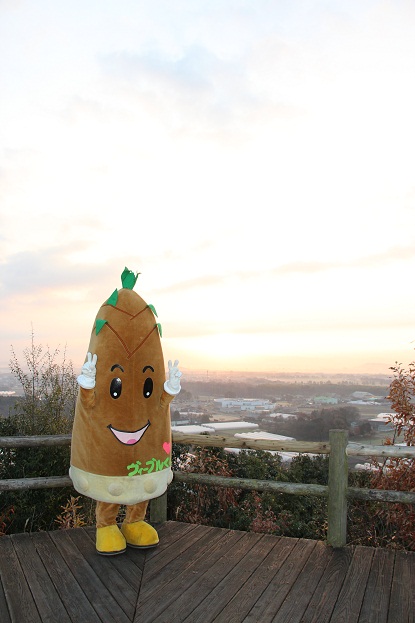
(121, 439)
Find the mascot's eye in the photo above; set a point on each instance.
(116, 388)
(148, 388)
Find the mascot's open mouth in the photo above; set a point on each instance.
(129, 438)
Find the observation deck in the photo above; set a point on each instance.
(201, 574)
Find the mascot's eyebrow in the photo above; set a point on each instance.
(117, 365)
(148, 368)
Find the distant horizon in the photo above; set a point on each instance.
(374, 364)
(206, 372)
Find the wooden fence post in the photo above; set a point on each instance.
(158, 509)
(337, 491)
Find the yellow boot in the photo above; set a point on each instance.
(140, 534)
(110, 541)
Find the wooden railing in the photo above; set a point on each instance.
(337, 491)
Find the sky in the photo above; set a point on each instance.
(253, 159)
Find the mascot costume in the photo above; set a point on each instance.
(121, 439)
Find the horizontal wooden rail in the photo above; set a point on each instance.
(35, 441)
(397, 452)
(302, 447)
(381, 495)
(222, 441)
(24, 484)
(337, 492)
(294, 488)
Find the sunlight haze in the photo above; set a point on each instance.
(253, 160)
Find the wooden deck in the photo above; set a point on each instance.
(200, 574)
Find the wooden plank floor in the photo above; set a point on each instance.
(200, 574)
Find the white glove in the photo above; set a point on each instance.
(88, 372)
(172, 385)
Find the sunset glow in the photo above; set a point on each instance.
(254, 161)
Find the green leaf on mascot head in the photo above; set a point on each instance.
(158, 325)
(153, 309)
(113, 298)
(99, 324)
(128, 278)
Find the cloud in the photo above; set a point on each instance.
(195, 80)
(59, 276)
(393, 254)
(191, 70)
(44, 270)
(196, 90)
(282, 326)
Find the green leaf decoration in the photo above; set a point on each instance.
(158, 325)
(99, 324)
(113, 298)
(128, 279)
(153, 309)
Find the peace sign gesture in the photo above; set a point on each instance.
(172, 385)
(87, 377)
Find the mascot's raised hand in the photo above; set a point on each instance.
(88, 372)
(172, 385)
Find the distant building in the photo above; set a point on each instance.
(245, 404)
(382, 423)
(193, 429)
(358, 403)
(216, 428)
(283, 416)
(365, 467)
(325, 400)
(264, 435)
(286, 457)
(363, 396)
(179, 422)
(230, 428)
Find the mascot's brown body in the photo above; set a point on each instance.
(121, 440)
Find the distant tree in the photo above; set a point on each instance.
(273, 513)
(185, 396)
(316, 425)
(200, 503)
(365, 428)
(256, 464)
(366, 523)
(49, 391)
(46, 408)
(399, 474)
(309, 469)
